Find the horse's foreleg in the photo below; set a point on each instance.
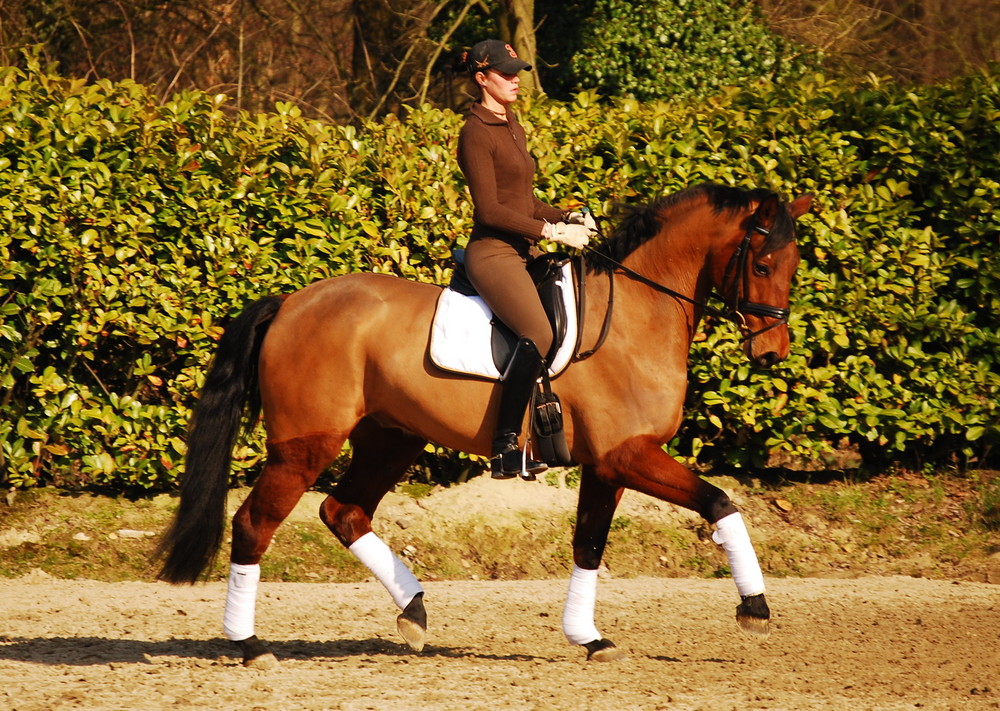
(381, 457)
(752, 614)
(595, 510)
(292, 467)
(641, 464)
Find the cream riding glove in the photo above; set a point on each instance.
(585, 218)
(575, 236)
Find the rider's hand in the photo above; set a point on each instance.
(575, 236)
(585, 218)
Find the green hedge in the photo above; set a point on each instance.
(661, 48)
(130, 230)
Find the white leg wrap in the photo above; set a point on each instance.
(387, 568)
(731, 534)
(241, 600)
(578, 615)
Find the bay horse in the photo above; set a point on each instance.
(345, 359)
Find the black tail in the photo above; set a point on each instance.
(194, 537)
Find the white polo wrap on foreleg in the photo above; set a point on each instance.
(731, 534)
(387, 568)
(578, 615)
(241, 601)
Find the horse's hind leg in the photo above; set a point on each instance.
(380, 458)
(292, 467)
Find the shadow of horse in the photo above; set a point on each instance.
(675, 660)
(96, 651)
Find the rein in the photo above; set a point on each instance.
(736, 310)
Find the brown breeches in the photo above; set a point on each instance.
(499, 272)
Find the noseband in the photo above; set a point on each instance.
(736, 310)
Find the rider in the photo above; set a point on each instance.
(507, 222)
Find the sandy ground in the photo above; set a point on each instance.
(866, 643)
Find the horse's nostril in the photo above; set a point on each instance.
(766, 360)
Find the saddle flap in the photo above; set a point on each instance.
(546, 271)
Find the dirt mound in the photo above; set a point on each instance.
(937, 527)
(485, 498)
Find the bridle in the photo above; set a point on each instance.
(736, 309)
(740, 305)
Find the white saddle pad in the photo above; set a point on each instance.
(461, 332)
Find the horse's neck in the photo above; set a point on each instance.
(680, 258)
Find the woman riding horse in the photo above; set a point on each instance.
(346, 359)
(507, 221)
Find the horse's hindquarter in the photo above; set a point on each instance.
(356, 346)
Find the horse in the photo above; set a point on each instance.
(346, 360)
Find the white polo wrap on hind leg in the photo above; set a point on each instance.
(731, 534)
(578, 615)
(241, 601)
(387, 568)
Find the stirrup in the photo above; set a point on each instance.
(512, 462)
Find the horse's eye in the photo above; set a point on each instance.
(761, 270)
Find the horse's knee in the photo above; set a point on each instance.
(347, 522)
(717, 506)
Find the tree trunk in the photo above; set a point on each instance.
(517, 25)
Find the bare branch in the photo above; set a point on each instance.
(227, 10)
(83, 38)
(131, 40)
(441, 45)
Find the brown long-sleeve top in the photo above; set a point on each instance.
(493, 155)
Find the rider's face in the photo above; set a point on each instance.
(503, 88)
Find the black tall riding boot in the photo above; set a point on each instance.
(517, 386)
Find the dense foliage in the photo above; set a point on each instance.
(660, 49)
(130, 230)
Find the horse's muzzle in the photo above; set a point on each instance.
(767, 359)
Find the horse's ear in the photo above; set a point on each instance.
(800, 206)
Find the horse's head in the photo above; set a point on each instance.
(758, 275)
(751, 257)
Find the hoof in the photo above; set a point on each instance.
(753, 616)
(256, 654)
(604, 650)
(412, 623)
(263, 662)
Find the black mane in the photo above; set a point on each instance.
(640, 223)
